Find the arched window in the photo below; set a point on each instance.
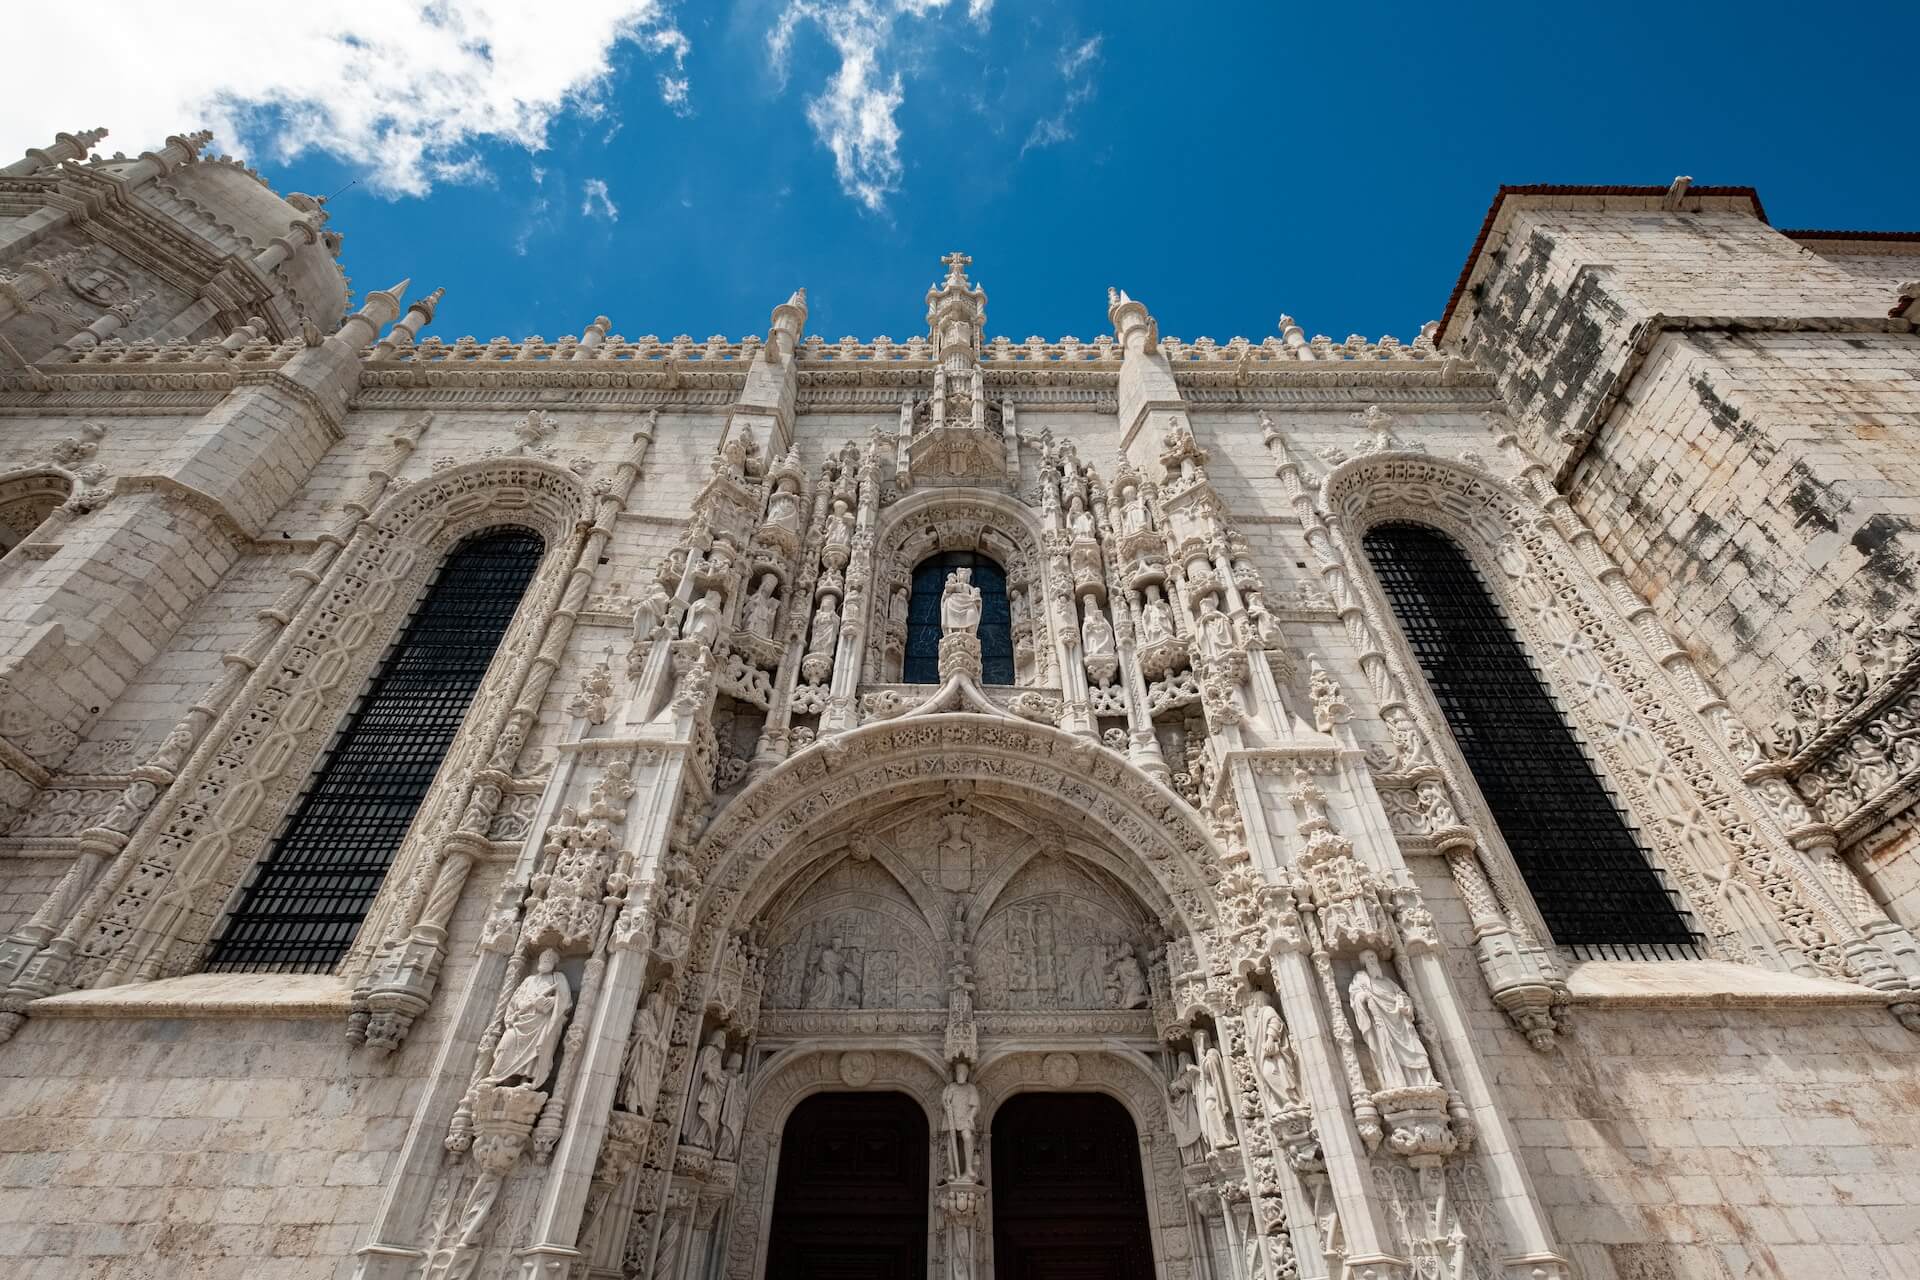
(308, 894)
(1580, 858)
(922, 665)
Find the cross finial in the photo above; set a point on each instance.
(956, 263)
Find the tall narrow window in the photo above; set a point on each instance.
(1581, 859)
(922, 665)
(310, 891)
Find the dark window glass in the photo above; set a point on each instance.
(1581, 859)
(309, 893)
(922, 664)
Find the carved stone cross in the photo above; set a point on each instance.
(956, 262)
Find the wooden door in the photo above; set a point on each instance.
(1068, 1203)
(851, 1199)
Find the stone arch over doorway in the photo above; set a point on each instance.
(816, 825)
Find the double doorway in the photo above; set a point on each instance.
(855, 1188)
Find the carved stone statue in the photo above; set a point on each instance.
(959, 1114)
(1156, 617)
(1216, 1108)
(1216, 629)
(1133, 510)
(1273, 1059)
(1129, 980)
(1183, 1111)
(783, 507)
(824, 991)
(897, 610)
(536, 1015)
(640, 1073)
(1383, 1015)
(650, 613)
(733, 1110)
(762, 607)
(826, 629)
(1079, 519)
(1096, 633)
(1266, 632)
(703, 619)
(839, 543)
(702, 1125)
(960, 604)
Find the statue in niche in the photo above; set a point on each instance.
(826, 629)
(1383, 1015)
(1183, 1111)
(1096, 633)
(897, 610)
(1017, 607)
(733, 1109)
(640, 1074)
(959, 1114)
(1080, 520)
(783, 506)
(1273, 1058)
(1216, 1107)
(824, 990)
(536, 1015)
(702, 1125)
(839, 544)
(1265, 631)
(650, 613)
(1156, 617)
(1133, 511)
(703, 619)
(1216, 629)
(762, 607)
(1129, 980)
(960, 604)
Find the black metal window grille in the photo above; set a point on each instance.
(1574, 844)
(308, 894)
(922, 664)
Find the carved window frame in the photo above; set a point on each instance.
(1479, 512)
(27, 490)
(177, 877)
(488, 679)
(957, 519)
(1413, 679)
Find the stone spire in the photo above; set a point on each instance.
(66, 146)
(956, 316)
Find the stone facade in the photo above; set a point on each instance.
(699, 851)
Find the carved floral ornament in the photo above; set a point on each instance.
(1663, 737)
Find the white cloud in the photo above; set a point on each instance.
(1076, 64)
(404, 90)
(855, 114)
(597, 203)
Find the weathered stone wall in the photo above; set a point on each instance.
(192, 1140)
(1685, 1132)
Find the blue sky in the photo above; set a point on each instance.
(674, 166)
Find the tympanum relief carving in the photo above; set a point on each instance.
(1046, 929)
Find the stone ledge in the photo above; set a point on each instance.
(1716, 984)
(206, 995)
